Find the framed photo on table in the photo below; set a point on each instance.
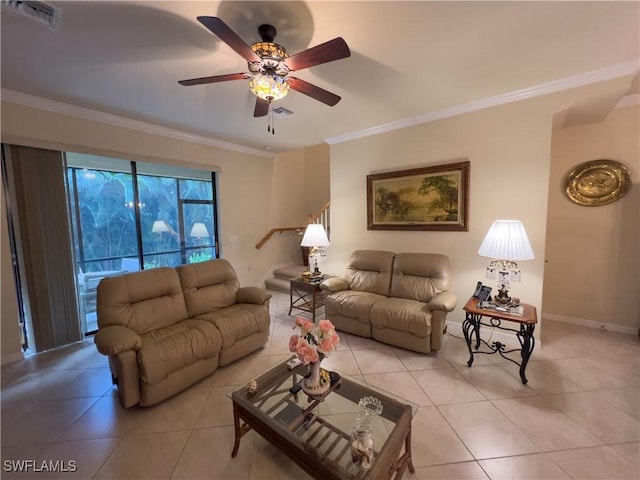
(428, 198)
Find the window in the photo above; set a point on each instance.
(132, 215)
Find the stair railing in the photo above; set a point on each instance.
(321, 217)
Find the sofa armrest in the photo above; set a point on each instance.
(335, 284)
(116, 339)
(445, 301)
(255, 295)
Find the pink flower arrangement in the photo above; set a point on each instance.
(313, 340)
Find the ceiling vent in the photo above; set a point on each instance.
(283, 112)
(40, 12)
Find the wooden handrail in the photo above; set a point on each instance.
(276, 230)
(312, 219)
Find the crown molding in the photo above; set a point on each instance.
(629, 101)
(567, 83)
(574, 81)
(40, 103)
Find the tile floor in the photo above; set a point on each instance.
(577, 418)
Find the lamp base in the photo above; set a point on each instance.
(502, 297)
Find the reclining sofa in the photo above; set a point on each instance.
(164, 329)
(401, 299)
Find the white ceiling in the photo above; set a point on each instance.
(407, 59)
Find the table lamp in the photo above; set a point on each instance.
(199, 231)
(506, 242)
(315, 237)
(159, 226)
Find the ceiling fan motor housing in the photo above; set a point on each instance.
(273, 57)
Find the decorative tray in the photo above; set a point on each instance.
(597, 182)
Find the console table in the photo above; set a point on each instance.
(526, 321)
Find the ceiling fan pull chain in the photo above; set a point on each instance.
(270, 121)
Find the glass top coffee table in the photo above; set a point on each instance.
(316, 431)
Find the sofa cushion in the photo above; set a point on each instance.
(420, 276)
(409, 316)
(352, 303)
(141, 301)
(238, 321)
(208, 286)
(370, 271)
(169, 349)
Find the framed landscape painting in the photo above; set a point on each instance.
(428, 198)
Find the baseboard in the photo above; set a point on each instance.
(611, 327)
(12, 358)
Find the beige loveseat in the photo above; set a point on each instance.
(164, 329)
(401, 299)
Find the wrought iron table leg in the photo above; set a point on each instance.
(477, 331)
(290, 300)
(468, 327)
(527, 342)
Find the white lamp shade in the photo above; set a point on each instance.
(159, 226)
(199, 230)
(506, 240)
(315, 236)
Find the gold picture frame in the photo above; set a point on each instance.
(428, 198)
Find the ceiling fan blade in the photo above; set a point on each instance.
(228, 36)
(214, 79)
(314, 91)
(325, 52)
(261, 108)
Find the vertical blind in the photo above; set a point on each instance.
(45, 244)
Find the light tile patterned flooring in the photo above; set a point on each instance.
(577, 418)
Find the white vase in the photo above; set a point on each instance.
(314, 383)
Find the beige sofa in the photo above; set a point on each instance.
(401, 299)
(164, 329)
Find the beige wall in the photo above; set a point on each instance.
(317, 176)
(250, 197)
(256, 193)
(593, 271)
(509, 150)
(300, 187)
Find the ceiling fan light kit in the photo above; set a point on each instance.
(268, 87)
(269, 65)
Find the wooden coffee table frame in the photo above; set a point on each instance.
(390, 461)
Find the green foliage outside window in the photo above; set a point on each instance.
(103, 211)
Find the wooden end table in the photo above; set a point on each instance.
(526, 320)
(308, 295)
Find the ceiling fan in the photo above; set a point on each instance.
(270, 64)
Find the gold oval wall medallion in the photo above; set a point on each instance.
(597, 182)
